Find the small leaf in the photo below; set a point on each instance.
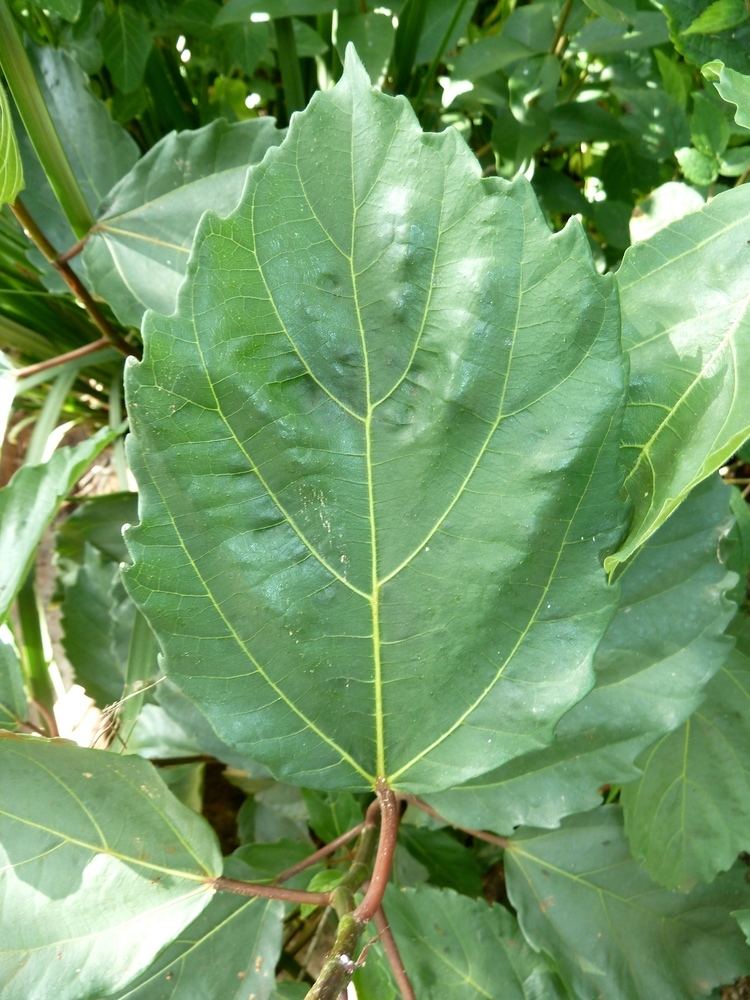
(449, 864)
(29, 503)
(721, 15)
(354, 359)
(98, 522)
(734, 87)
(121, 865)
(229, 951)
(611, 931)
(126, 45)
(128, 260)
(11, 169)
(88, 617)
(688, 817)
(13, 705)
(331, 813)
(456, 948)
(689, 348)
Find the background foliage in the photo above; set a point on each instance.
(120, 125)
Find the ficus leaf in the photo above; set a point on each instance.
(457, 948)
(648, 678)
(686, 327)
(688, 817)
(230, 951)
(375, 447)
(611, 931)
(120, 864)
(138, 251)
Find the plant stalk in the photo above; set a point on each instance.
(23, 85)
(340, 965)
(390, 948)
(291, 71)
(70, 278)
(240, 888)
(35, 666)
(61, 359)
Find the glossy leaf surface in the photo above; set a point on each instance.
(648, 678)
(686, 327)
(688, 817)
(101, 867)
(456, 948)
(138, 251)
(355, 561)
(612, 931)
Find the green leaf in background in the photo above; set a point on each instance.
(372, 36)
(354, 361)
(89, 609)
(449, 863)
(686, 327)
(721, 15)
(68, 9)
(610, 930)
(97, 521)
(99, 150)
(238, 11)
(29, 503)
(13, 705)
(649, 678)
(456, 948)
(11, 168)
(120, 864)
(731, 46)
(734, 87)
(331, 813)
(137, 254)
(126, 44)
(688, 817)
(229, 951)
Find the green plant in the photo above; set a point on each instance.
(424, 661)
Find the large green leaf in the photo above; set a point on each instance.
(101, 867)
(28, 504)
(688, 817)
(126, 44)
(13, 706)
(371, 519)
(456, 948)
(649, 678)
(138, 252)
(613, 932)
(229, 951)
(686, 326)
(11, 169)
(99, 150)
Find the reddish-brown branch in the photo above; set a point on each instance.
(390, 815)
(324, 852)
(61, 359)
(490, 838)
(70, 278)
(390, 948)
(73, 251)
(223, 884)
